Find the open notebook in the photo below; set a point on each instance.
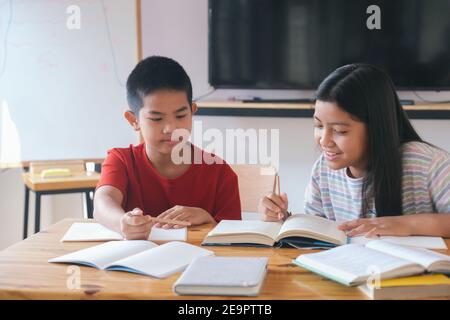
(91, 231)
(137, 256)
(299, 230)
(353, 264)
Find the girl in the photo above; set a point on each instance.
(375, 176)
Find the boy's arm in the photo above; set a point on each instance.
(132, 225)
(107, 207)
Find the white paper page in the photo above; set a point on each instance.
(90, 232)
(97, 232)
(104, 254)
(412, 241)
(351, 261)
(316, 224)
(251, 226)
(421, 256)
(160, 234)
(163, 260)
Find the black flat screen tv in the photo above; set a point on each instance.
(294, 44)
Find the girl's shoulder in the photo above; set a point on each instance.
(416, 152)
(423, 149)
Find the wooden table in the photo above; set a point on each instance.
(79, 183)
(26, 274)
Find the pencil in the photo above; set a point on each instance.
(276, 190)
(276, 186)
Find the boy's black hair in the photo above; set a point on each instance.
(156, 73)
(368, 93)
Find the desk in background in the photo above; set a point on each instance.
(81, 182)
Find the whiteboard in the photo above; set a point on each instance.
(62, 89)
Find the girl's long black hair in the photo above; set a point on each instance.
(368, 94)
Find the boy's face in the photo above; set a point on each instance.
(163, 112)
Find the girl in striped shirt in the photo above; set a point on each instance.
(375, 176)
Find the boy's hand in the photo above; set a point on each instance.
(373, 227)
(193, 215)
(134, 225)
(274, 207)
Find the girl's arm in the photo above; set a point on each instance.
(423, 224)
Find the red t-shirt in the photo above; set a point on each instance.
(212, 187)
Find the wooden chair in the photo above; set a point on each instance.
(255, 181)
(80, 181)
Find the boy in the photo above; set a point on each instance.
(144, 181)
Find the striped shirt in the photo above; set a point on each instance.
(426, 186)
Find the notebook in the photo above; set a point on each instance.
(424, 286)
(97, 232)
(137, 256)
(299, 231)
(353, 264)
(223, 276)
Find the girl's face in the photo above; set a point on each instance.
(343, 139)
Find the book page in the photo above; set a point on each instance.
(160, 234)
(350, 262)
(230, 227)
(424, 257)
(102, 255)
(162, 260)
(79, 231)
(314, 225)
(412, 241)
(91, 231)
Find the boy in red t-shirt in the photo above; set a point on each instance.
(143, 181)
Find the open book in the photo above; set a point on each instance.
(137, 256)
(354, 264)
(91, 231)
(299, 230)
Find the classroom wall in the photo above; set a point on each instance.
(178, 28)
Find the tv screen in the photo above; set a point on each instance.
(294, 44)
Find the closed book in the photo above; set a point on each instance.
(227, 276)
(424, 286)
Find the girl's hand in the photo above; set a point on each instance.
(383, 226)
(274, 207)
(193, 215)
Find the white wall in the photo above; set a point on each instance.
(178, 28)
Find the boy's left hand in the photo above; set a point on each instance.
(373, 227)
(193, 215)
